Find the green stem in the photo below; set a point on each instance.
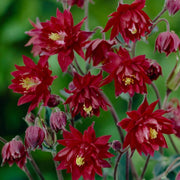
(173, 144)
(116, 165)
(159, 15)
(3, 140)
(157, 94)
(145, 167)
(25, 169)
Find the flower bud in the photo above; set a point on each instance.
(173, 80)
(154, 70)
(30, 118)
(116, 145)
(14, 152)
(53, 101)
(58, 120)
(173, 6)
(34, 136)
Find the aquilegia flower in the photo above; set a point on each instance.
(130, 21)
(83, 154)
(145, 129)
(167, 42)
(14, 152)
(97, 50)
(130, 75)
(58, 36)
(173, 6)
(32, 81)
(86, 96)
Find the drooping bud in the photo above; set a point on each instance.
(34, 136)
(53, 101)
(116, 145)
(58, 120)
(173, 80)
(154, 70)
(173, 6)
(14, 152)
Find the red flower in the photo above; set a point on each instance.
(154, 70)
(32, 81)
(167, 42)
(173, 6)
(130, 75)
(145, 128)
(34, 136)
(84, 154)
(14, 152)
(173, 109)
(86, 97)
(58, 36)
(97, 50)
(130, 21)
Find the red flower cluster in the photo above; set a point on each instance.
(145, 128)
(130, 21)
(86, 97)
(83, 154)
(14, 152)
(32, 81)
(58, 36)
(130, 75)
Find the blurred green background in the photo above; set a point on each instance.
(14, 21)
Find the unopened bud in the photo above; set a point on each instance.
(116, 145)
(30, 119)
(53, 101)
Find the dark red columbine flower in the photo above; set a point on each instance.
(167, 42)
(173, 114)
(97, 50)
(34, 137)
(14, 152)
(154, 70)
(130, 75)
(83, 154)
(58, 120)
(58, 36)
(32, 81)
(145, 129)
(130, 21)
(86, 97)
(173, 6)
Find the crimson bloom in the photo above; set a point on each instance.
(58, 36)
(173, 6)
(130, 21)
(86, 97)
(83, 154)
(167, 42)
(32, 81)
(34, 136)
(97, 50)
(145, 129)
(130, 75)
(14, 152)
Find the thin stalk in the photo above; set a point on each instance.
(145, 167)
(86, 7)
(3, 140)
(159, 15)
(133, 48)
(166, 98)
(25, 169)
(160, 20)
(59, 173)
(103, 33)
(157, 94)
(36, 168)
(78, 67)
(127, 165)
(116, 165)
(173, 144)
(135, 174)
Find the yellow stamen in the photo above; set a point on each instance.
(87, 110)
(79, 161)
(133, 30)
(57, 36)
(153, 133)
(128, 80)
(27, 83)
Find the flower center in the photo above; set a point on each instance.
(87, 110)
(133, 30)
(79, 160)
(153, 133)
(128, 80)
(27, 83)
(59, 37)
